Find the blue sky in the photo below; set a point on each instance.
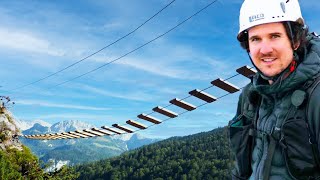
(39, 38)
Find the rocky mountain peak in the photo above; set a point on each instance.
(27, 124)
(69, 125)
(8, 131)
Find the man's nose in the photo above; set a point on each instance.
(266, 47)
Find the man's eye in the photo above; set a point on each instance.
(275, 36)
(254, 39)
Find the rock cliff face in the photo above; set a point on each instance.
(8, 131)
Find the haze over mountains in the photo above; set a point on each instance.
(204, 155)
(24, 125)
(75, 151)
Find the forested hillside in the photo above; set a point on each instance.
(22, 164)
(201, 156)
(17, 161)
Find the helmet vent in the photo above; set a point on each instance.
(283, 7)
(276, 17)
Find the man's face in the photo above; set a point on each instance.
(270, 48)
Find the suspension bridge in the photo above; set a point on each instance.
(132, 126)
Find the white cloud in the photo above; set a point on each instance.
(170, 59)
(77, 116)
(138, 96)
(172, 67)
(112, 26)
(25, 41)
(68, 106)
(154, 68)
(96, 120)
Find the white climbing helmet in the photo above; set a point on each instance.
(256, 12)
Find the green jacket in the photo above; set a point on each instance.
(275, 103)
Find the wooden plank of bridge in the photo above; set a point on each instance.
(128, 130)
(149, 118)
(110, 129)
(203, 95)
(101, 131)
(136, 124)
(165, 112)
(183, 104)
(225, 85)
(246, 71)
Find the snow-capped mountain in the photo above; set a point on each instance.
(77, 151)
(70, 125)
(64, 126)
(37, 129)
(123, 137)
(24, 125)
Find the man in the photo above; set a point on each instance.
(275, 133)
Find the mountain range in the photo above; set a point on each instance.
(76, 151)
(24, 125)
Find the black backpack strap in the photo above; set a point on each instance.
(313, 142)
(241, 132)
(275, 138)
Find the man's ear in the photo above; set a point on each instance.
(296, 45)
